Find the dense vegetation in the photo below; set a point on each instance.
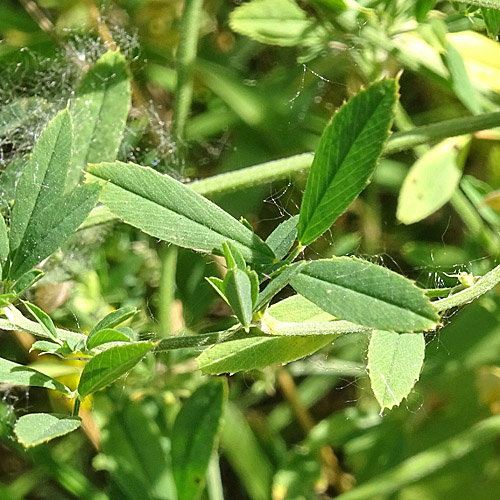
(249, 250)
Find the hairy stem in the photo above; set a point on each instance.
(483, 285)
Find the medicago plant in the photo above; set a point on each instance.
(333, 297)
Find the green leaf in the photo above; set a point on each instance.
(238, 291)
(44, 176)
(296, 309)
(218, 285)
(394, 363)
(432, 180)
(113, 319)
(99, 111)
(104, 368)
(257, 353)
(282, 238)
(4, 245)
(254, 286)
(422, 7)
(7, 299)
(277, 283)
(43, 320)
(49, 228)
(104, 336)
(36, 428)
(166, 209)
(26, 281)
(366, 294)
(16, 374)
(347, 155)
(233, 256)
(492, 20)
(193, 438)
(45, 346)
(460, 81)
(136, 453)
(275, 22)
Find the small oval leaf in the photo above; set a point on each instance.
(37, 428)
(394, 363)
(104, 368)
(432, 180)
(104, 336)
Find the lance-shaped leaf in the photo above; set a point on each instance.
(16, 374)
(171, 211)
(4, 245)
(104, 336)
(277, 283)
(37, 428)
(394, 364)
(113, 319)
(49, 228)
(282, 238)
(26, 281)
(366, 294)
(43, 177)
(346, 157)
(238, 292)
(44, 320)
(99, 110)
(193, 438)
(432, 180)
(104, 368)
(259, 352)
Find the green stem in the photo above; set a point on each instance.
(76, 407)
(285, 167)
(166, 294)
(427, 462)
(201, 340)
(214, 481)
(482, 285)
(186, 56)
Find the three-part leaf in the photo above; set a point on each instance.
(166, 209)
(394, 363)
(346, 157)
(366, 294)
